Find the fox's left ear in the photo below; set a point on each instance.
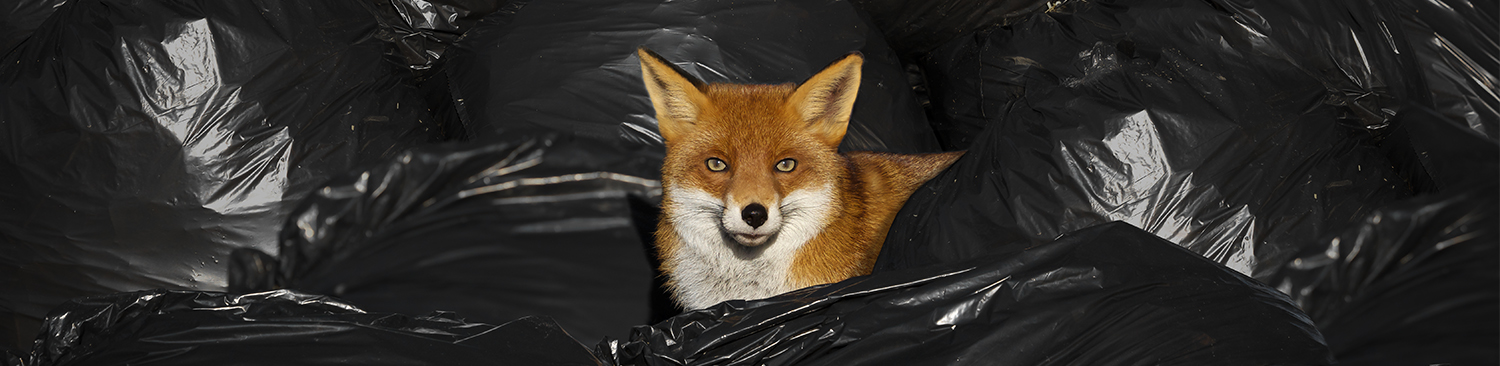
(826, 100)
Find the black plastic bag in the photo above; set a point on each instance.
(142, 141)
(1251, 135)
(1440, 154)
(284, 328)
(570, 66)
(1192, 120)
(423, 30)
(1416, 281)
(20, 18)
(1236, 60)
(1457, 50)
(1111, 294)
(544, 226)
(973, 272)
(915, 28)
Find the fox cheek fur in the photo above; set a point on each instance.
(757, 201)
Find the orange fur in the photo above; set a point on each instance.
(877, 185)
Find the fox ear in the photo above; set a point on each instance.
(826, 100)
(677, 98)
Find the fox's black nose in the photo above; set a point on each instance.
(754, 214)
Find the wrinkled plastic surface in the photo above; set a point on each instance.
(497, 231)
(1357, 59)
(915, 28)
(422, 31)
(570, 66)
(1327, 122)
(1111, 294)
(1457, 51)
(284, 328)
(1257, 137)
(1239, 132)
(1441, 154)
(1415, 282)
(19, 18)
(142, 141)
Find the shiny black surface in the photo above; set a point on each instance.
(1147, 182)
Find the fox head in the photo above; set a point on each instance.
(760, 162)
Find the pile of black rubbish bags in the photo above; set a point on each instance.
(395, 182)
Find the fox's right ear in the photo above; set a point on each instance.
(678, 99)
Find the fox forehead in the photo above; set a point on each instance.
(749, 123)
(747, 111)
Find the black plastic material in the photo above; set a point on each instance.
(535, 226)
(1239, 132)
(915, 28)
(570, 66)
(422, 31)
(1343, 152)
(142, 141)
(21, 17)
(1252, 135)
(1416, 282)
(1111, 294)
(161, 328)
(1360, 60)
(1440, 154)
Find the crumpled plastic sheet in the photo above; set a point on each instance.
(19, 18)
(1415, 282)
(1370, 58)
(1457, 51)
(1253, 136)
(1283, 140)
(1441, 154)
(915, 28)
(422, 30)
(1110, 294)
(493, 231)
(1239, 132)
(570, 66)
(142, 141)
(284, 328)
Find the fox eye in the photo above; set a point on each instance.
(786, 165)
(717, 165)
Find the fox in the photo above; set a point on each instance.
(757, 200)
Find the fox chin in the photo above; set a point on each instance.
(757, 200)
